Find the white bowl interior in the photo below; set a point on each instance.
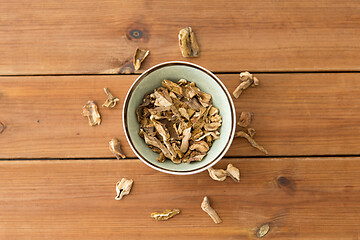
(202, 80)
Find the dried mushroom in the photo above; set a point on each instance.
(111, 100)
(123, 188)
(165, 215)
(233, 172)
(188, 44)
(245, 119)
(262, 230)
(139, 57)
(90, 110)
(251, 132)
(179, 121)
(220, 174)
(205, 206)
(114, 146)
(247, 80)
(250, 140)
(217, 174)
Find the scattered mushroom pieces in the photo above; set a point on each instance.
(251, 141)
(123, 188)
(111, 100)
(139, 57)
(90, 110)
(114, 146)
(247, 80)
(245, 119)
(220, 174)
(205, 206)
(179, 121)
(188, 44)
(165, 215)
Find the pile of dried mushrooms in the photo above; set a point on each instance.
(178, 121)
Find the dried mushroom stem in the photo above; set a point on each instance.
(123, 188)
(165, 215)
(114, 146)
(90, 110)
(111, 101)
(205, 206)
(139, 57)
(251, 141)
(188, 44)
(247, 80)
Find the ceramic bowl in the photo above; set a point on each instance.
(207, 82)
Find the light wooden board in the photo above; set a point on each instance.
(67, 37)
(294, 114)
(300, 198)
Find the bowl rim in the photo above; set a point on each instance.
(124, 114)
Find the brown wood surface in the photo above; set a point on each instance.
(294, 114)
(67, 37)
(300, 198)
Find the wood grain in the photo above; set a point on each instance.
(300, 198)
(63, 37)
(294, 114)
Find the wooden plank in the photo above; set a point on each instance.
(63, 37)
(294, 114)
(315, 198)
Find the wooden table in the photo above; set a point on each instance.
(58, 177)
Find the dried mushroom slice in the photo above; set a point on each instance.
(139, 57)
(220, 174)
(217, 174)
(262, 230)
(161, 157)
(185, 141)
(251, 141)
(90, 110)
(245, 119)
(212, 126)
(205, 206)
(123, 188)
(153, 141)
(233, 172)
(173, 87)
(111, 100)
(161, 100)
(165, 215)
(200, 146)
(247, 80)
(251, 132)
(195, 156)
(213, 111)
(188, 44)
(114, 146)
